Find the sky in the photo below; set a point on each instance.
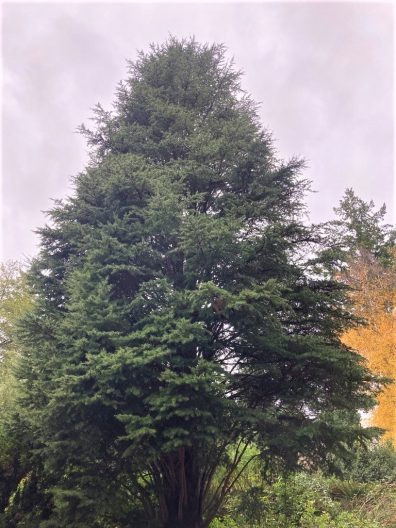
(322, 72)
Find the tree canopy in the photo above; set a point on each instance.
(360, 230)
(369, 269)
(14, 302)
(179, 316)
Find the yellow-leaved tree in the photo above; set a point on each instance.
(364, 257)
(374, 296)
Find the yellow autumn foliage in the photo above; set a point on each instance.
(374, 296)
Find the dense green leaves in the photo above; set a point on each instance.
(176, 313)
(359, 230)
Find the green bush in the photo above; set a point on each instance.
(300, 501)
(364, 498)
(377, 463)
(309, 519)
(342, 520)
(346, 490)
(225, 522)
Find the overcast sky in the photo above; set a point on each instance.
(323, 73)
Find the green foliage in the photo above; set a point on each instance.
(359, 230)
(347, 490)
(176, 314)
(15, 301)
(225, 522)
(373, 464)
(299, 501)
(379, 505)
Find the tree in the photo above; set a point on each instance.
(368, 254)
(177, 321)
(374, 296)
(359, 230)
(14, 302)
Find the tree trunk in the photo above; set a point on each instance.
(181, 491)
(187, 523)
(188, 517)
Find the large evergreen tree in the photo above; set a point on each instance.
(177, 320)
